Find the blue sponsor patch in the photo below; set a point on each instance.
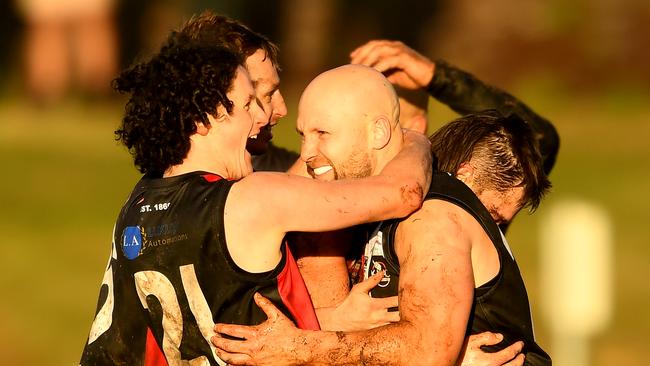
(131, 241)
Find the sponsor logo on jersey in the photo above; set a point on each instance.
(378, 266)
(131, 241)
(156, 242)
(162, 230)
(373, 247)
(373, 258)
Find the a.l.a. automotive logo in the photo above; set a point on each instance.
(131, 241)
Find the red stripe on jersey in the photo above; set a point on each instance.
(295, 296)
(211, 177)
(153, 355)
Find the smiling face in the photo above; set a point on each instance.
(266, 82)
(237, 126)
(331, 149)
(346, 117)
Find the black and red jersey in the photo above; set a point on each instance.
(170, 278)
(500, 306)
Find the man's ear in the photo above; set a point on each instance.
(201, 128)
(221, 116)
(381, 133)
(465, 173)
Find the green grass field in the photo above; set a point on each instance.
(66, 178)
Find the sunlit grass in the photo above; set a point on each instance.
(64, 184)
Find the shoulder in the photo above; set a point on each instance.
(261, 183)
(438, 225)
(439, 215)
(265, 196)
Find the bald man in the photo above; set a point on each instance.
(436, 285)
(371, 134)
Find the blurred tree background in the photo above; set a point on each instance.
(583, 64)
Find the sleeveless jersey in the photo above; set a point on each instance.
(501, 305)
(170, 278)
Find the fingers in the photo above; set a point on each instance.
(356, 52)
(362, 51)
(393, 77)
(386, 302)
(484, 339)
(237, 331)
(389, 63)
(373, 51)
(231, 345)
(377, 58)
(392, 316)
(509, 353)
(267, 307)
(385, 56)
(234, 358)
(369, 283)
(517, 361)
(380, 313)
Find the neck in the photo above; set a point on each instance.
(184, 168)
(197, 160)
(388, 152)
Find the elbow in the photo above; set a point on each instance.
(401, 198)
(411, 198)
(414, 189)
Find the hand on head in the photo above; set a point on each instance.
(402, 65)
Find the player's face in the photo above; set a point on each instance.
(332, 148)
(503, 206)
(242, 123)
(267, 91)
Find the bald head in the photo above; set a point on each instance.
(348, 117)
(358, 92)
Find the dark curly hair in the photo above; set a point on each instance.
(177, 88)
(503, 147)
(209, 29)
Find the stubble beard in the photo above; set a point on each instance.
(356, 166)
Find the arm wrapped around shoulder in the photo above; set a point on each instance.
(411, 170)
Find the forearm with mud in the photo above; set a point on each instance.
(394, 344)
(465, 94)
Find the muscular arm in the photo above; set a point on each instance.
(434, 254)
(466, 94)
(321, 260)
(284, 203)
(436, 291)
(262, 207)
